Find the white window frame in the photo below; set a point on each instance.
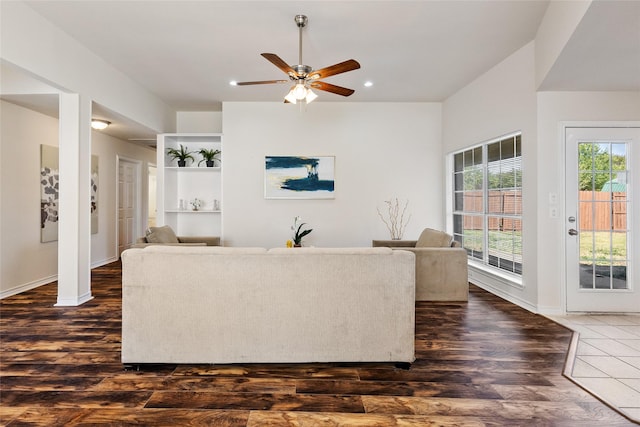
(482, 265)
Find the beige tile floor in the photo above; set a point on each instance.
(605, 358)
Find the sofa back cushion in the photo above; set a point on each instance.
(164, 234)
(185, 249)
(331, 251)
(431, 238)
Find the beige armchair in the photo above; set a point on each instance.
(441, 265)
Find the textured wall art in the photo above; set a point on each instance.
(295, 177)
(49, 193)
(94, 194)
(49, 187)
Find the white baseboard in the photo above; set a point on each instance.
(103, 262)
(551, 311)
(73, 302)
(27, 286)
(506, 296)
(36, 283)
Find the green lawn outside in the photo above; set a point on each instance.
(595, 247)
(499, 241)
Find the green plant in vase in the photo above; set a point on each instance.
(209, 155)
(181, 155)
(298, 232)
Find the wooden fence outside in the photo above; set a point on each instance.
(500, 203)
(607, 212)
(603, 211)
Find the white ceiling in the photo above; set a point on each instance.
(121, 127)
(187, 52)
(603, 53)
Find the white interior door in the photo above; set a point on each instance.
(601, 226)
(151, 202)
(127, 203)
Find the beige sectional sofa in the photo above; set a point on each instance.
(252, 305)
(441, 265)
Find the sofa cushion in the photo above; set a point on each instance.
(164, 234)
(331, 251)
(146, 245)
(431, 238)
(205, 250)
(205, 240)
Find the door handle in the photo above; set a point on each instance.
(573, 232)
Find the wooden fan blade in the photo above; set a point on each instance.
(279, 62)
(261, 82)
(328, 87)
(342, 67)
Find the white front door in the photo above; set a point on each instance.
(601, 225)
(127, 203)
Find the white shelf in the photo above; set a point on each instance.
(191, 211)
(194, 168)
(175, 184)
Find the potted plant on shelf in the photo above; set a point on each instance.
(181, 155)
(298, 232)
(209, 155)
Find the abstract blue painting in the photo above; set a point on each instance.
(295, 177)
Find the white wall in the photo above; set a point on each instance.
(382, 150)
(32, 43)
(107, 148)
(36, 47)
(558, 25)
(505, 100)
(553, 109)
(25, 261)
(502, 101)
(199, 121)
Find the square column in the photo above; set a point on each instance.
(74, 224)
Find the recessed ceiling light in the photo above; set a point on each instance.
(368, 84)
(233, 83)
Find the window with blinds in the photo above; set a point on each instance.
(487, 202)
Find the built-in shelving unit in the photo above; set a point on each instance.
(178, 186)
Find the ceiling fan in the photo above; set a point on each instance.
(303, 76)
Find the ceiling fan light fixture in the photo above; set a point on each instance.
(310, 96)
(99, 124)
(304, 76)
(291, 96)
(300, 91)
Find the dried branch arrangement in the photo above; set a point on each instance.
(396, 218)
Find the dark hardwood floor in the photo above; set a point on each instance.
(485, 362)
